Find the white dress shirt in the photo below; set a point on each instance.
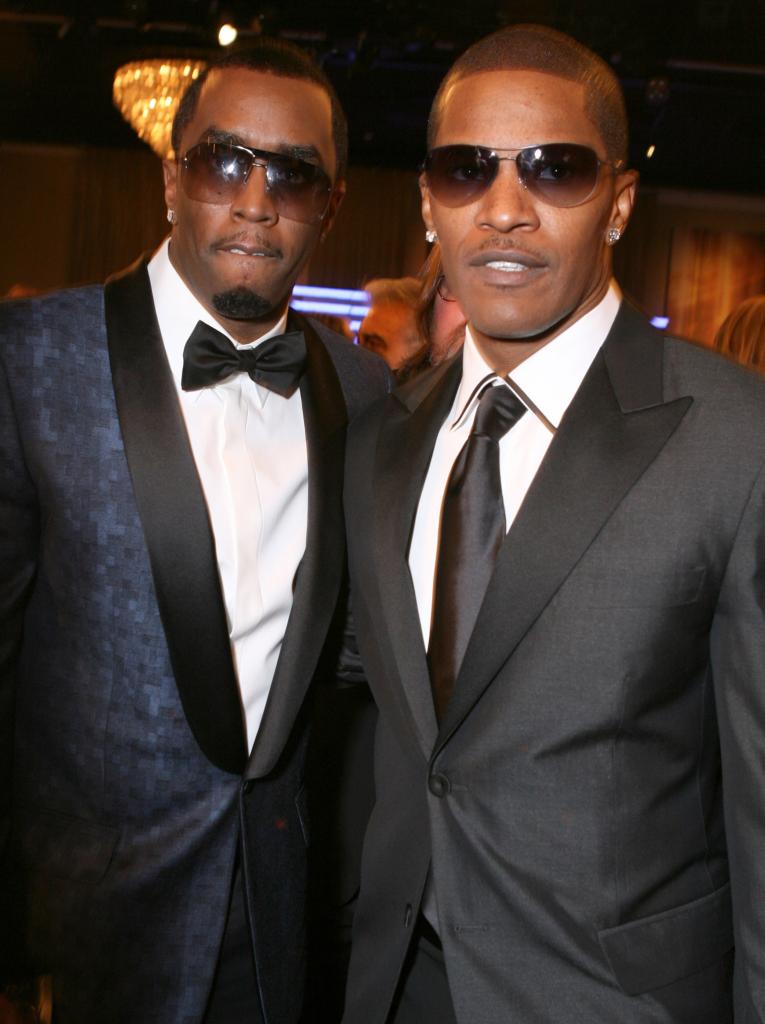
(250, 452)
(545, 382)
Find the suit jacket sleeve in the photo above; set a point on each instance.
(738, 666)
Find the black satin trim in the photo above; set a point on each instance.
(175, 521)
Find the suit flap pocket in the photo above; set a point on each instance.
(62, 845)
(629, 588)
(663, 948)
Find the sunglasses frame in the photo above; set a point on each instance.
(491, 156)
(260, 158)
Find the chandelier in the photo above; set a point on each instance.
(147, 94)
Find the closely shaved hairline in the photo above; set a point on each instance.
(538, 48)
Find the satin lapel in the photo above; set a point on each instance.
(403, 454)
(175, 522)
(321, 570)
(614, 428)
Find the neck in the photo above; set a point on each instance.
(247, 331)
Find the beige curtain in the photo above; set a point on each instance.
(72, 215)
(711, 272)
(75, 215)
(378, 231)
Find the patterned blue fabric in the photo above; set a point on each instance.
(123, 835)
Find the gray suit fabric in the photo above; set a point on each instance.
(118, 831)
(592, 806)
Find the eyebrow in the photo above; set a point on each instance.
(308, 153)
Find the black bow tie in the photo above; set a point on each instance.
(277, 363)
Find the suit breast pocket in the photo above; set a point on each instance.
(61, 845)
(654, 951)
(628, 589)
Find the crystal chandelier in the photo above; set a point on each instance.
(147, 93)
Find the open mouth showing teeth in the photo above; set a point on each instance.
(507, 266)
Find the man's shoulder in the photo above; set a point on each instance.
(723, 388)
(51, 315)
(363, 375)
(693, 369)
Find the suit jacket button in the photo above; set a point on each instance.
(247, 786)
(439, 784)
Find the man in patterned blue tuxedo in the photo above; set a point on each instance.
(171, 555)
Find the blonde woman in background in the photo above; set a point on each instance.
(742, 334)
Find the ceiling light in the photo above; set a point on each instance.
(147, 94)
(227, 34)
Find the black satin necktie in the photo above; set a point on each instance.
(209, 357)
(472, 531)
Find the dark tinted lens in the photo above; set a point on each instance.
(457, 175)
(301, 190)
(214, 172)
(560, 173)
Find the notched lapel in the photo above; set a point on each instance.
(175, 521)
(320, 571)
(614, 428)
(403, 454)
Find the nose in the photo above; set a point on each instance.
(253, 201)
(507, 204)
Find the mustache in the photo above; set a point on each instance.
(499, 244)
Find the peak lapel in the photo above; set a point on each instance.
(321, 570)
(614, 428)
(175, 521)
(401, 463)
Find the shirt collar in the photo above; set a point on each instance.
(547, 381)
(178, 312)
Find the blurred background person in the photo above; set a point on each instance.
(440, 320)
(741, 335)
(390, 327)
(439, 316)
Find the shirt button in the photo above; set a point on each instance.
(439, 784)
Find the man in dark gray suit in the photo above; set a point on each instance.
(171, 553)
(557, 554)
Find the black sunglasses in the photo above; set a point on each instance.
(559, 173)
(214, 172)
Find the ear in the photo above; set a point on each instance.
(425, 204)
(338, 194)
(170, 173)
(625, 190)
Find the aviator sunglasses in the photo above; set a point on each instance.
(214, 172)
(559, 173)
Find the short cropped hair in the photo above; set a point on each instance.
(403, 290)
(275, 57)
(538, 48)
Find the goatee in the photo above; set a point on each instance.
(241, 304)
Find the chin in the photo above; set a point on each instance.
(514, 326)
(242, 303)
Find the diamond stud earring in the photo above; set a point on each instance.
(171, 216)
(431, 237)
(613, 235)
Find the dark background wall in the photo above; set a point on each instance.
(81, 196)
